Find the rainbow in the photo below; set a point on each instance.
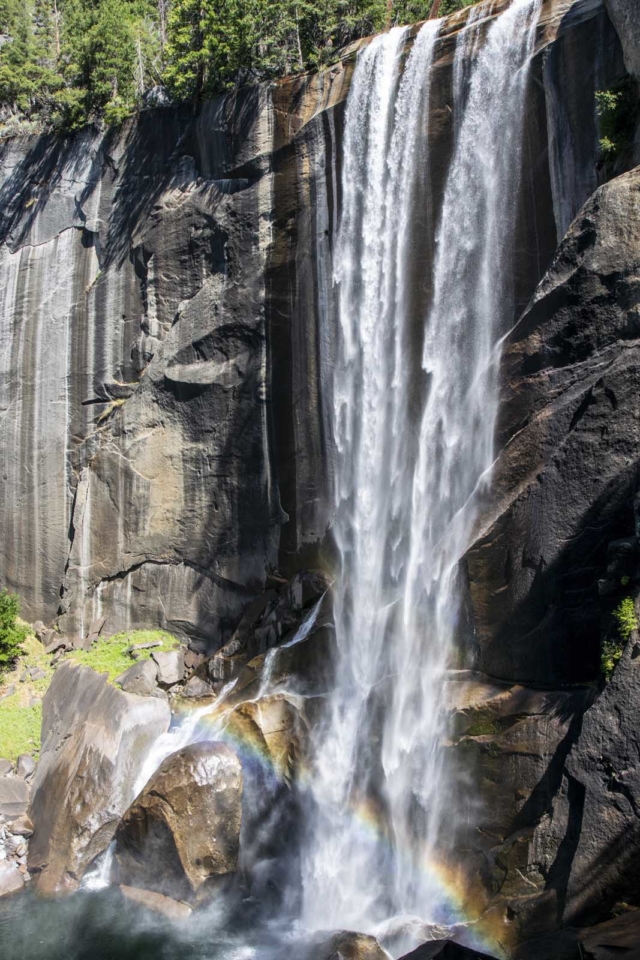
(462, 908)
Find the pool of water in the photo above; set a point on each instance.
(102, 925)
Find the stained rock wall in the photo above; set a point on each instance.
(168, 324)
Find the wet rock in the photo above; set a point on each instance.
(445, 950)
(346, 945)
(181, 836)
(166, 906)
(26, 766)
(11, 879)
(274, 727)
(170, 665)
(94, 738)
(14, 796)
(139, 679)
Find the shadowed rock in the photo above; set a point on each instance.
(446, 950)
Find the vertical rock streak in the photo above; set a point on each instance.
(408, 476)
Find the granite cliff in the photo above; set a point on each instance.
(169, 322)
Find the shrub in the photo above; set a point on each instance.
(12, 633)
(625, 614)
(627, 621)
(617, 111)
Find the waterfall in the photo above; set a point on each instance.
(414, 444)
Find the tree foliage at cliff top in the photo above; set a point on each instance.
(64, 63)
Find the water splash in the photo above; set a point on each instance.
(414, 448)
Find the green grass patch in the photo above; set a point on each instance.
(21, 717)
(19, 728)
(110, 655)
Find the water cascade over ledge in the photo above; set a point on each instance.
(414, 451)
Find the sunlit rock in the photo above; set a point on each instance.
(181, 836)
(94, 740)
(346, 945)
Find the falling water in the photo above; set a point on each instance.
(409, 472)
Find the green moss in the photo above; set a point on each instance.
(612, 648)
(617, 111)
(21, 718)
(483, 726)
(110, 655)
(19, 728)
(625, 614)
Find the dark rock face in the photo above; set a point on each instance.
(445, 950)
(624, 14)
(94, 739)
(182, 834)
(566, 478)
(560, 786)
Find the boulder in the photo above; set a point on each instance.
(14, 796)
(26, 766)
(346, 945)
(94, 740)
(11, 879)
(181, 836)
(274, 728)
(196, 689)
(21, 827)
(445, 950)
(165, 906)
(6, 766)
(170, 665)
(140, 678)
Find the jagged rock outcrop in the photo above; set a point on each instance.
(558, 551)
(94, 739)
(181, 836)
(566, 478)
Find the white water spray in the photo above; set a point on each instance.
(414, 449)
